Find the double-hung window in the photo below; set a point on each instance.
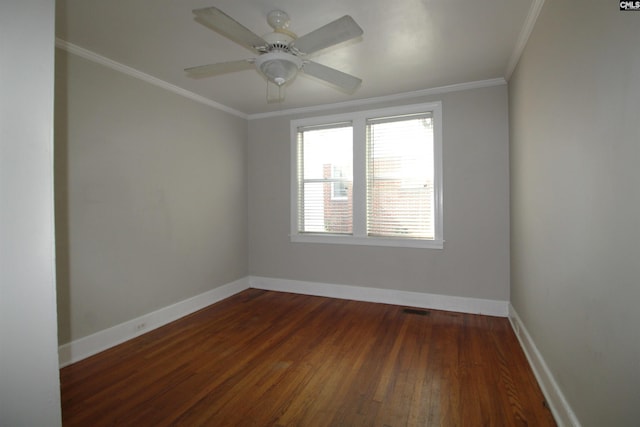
(369, 178)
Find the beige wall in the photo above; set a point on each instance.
(575, 147)
(475, 261)
(151, 199)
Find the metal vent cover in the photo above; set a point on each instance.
(417, 311)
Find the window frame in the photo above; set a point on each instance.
(359, 236)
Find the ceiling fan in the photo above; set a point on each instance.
(281, 54)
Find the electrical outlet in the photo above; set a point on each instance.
(141, 326)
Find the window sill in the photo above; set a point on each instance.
(338, 239)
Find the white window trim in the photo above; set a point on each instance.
(359, 236)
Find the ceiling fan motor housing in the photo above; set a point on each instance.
(279, 40)
(278, 64)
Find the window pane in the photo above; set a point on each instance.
(325, 176)
(400, 175)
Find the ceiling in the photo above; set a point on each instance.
(407, 45)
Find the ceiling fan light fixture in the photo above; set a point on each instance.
(278, 67)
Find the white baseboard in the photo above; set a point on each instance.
(88, 346)
(558, 404)
(386, 296)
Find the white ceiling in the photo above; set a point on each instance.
(407, 45)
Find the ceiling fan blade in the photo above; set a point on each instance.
(219, 68)
(335, 32)
(344, 81)
(275, 93)
(219, 21)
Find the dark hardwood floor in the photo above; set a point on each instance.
(276, 359)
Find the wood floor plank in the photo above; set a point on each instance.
(265, 358)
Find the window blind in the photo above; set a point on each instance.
(400, 176)
(325, 178)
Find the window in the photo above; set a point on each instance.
(370, 178)
(340, 187)
(324, 178)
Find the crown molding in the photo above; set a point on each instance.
(378, 99)
(523, 38)
(94, 57)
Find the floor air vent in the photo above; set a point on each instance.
(416, 311)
